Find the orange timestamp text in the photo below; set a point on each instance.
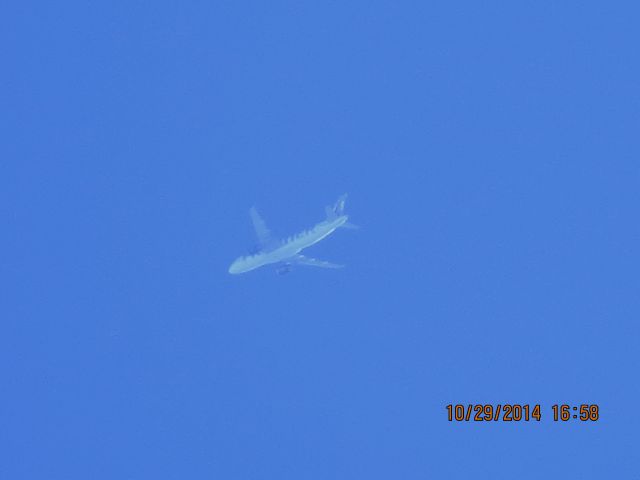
(516, 412)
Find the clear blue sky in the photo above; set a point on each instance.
(491, 155)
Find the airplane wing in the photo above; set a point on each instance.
(312, 262)
(262, 232)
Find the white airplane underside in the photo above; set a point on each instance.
(286, 253)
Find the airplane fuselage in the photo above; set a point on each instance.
(288, 248)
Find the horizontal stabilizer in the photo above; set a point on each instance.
(337, 210)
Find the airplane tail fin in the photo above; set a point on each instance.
(337, 210)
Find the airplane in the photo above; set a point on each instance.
(286, 253)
